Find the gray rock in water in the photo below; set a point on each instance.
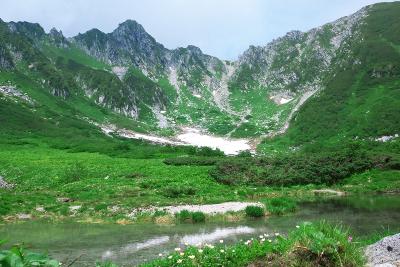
(385, 252)
(4, 184)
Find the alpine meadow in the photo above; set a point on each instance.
(118, 151)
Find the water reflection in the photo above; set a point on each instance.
(134, 247)
(132, 244)
(217, 234)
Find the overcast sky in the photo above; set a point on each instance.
(223, 28)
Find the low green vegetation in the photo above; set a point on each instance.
(17, 256)
(318, 244)
(186, 216)
(302, 168)
(109, 177)
(280, 205)
(254, 211)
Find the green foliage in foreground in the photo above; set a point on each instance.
(280, 205)
(254, 211)
(318, 244)
(19, 257)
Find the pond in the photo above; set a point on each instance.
(132, 244)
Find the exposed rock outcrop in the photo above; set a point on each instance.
(384, 253)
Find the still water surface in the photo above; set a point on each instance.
(132, 244)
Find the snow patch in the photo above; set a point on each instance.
(189, 136)
(281, 99)
(386, 138)
(227, 145)
(119, 71)
(155, 139)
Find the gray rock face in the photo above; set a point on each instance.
(295, 64)
(5, 59)
(385, 252)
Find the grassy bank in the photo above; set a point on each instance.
(318, 244)
(309, 244)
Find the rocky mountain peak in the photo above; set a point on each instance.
(32, 30)
(58, 38)
(131, 26)
(194, 49)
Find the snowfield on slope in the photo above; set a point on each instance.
(189, 136)
(229, 146)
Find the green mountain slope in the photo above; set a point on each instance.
(336, 81)
(362, 95)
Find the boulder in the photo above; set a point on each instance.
(4, 184)
(385, 252)
(64, 199)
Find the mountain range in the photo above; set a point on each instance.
(340, 80)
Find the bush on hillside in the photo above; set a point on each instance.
(175, 191)
(191, 161)
(75, 172)
(298, 169)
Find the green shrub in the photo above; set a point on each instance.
(100, 207)
(177, 191)
(281, 205)
(296, 169)
(198, 217)
(254, 211)
(245, 154)
(191, 161)
(184, 216)
(4, 209)
(159, 213)
(64, 210)
(206, 151)
(75, 172)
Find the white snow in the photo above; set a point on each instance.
(119, 71)
(189, 136)
(285, 100)
(229, 146)
(386, 138)
(197, 95)
(133, 135)
(280, 100)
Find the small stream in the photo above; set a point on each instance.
(132, 244)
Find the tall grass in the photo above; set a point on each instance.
(280, 205)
